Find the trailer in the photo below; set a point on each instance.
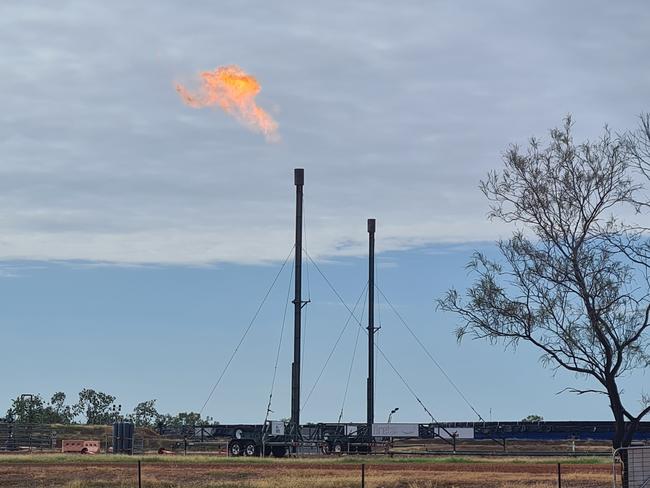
(352, 438)
(80, 446)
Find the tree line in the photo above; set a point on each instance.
(94, 408)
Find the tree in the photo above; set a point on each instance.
(639, 144)
(96, 406)
(62, 413)
(183, 419)
(145, 414)
(33, 409)
(27, 409)
(533, 418)
(571, 280)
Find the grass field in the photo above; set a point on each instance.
(333, 460)
(106, 471)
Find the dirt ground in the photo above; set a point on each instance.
(300, 473)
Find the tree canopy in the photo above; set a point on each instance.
(94, 407)
(573, 279)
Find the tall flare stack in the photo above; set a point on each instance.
(299, 180)
(371, 326)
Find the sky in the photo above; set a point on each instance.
(137, 235)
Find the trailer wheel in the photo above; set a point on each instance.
(279, 451)
(235, 449)
(338, 448)
(249, 448)
(363, 449)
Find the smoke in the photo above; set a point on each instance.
(234, 91)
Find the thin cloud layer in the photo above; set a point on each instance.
(394, 111)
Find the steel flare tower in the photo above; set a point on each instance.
(299, 181)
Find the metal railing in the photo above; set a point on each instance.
(20, 437)
(634, 464)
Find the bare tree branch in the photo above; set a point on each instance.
(576, 282)
(578, 391)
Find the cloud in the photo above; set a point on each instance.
(17, 270)
(394, 111)
(5, 273)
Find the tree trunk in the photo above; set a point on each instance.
(622, 431)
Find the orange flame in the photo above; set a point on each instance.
(232, 89)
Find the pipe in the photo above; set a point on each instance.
(299, 180)
(371, 327)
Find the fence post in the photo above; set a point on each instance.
(559, 475)
(363, 475)
(139, 474)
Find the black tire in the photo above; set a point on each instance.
(279, 451)
(250, 449)
(235, 449)
(337, 448)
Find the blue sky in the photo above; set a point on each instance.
(165, 332)
(130, 222)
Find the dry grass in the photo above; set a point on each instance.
(58, 471)
(300, 473)
(59, 458)
(379, 481)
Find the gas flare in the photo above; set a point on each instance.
(232, 89)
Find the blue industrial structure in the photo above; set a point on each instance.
(547, 430)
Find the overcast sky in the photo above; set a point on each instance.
(396, 110)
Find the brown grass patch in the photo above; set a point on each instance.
(299, 474)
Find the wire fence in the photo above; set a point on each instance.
(34, 438)
(152, 472)
(29, 437)
(634, 467)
